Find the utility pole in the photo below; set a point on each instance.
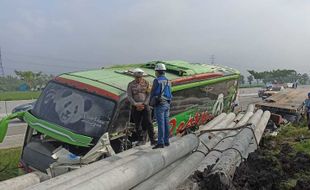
(212, 59)
(1, 66)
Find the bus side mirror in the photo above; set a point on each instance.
(4, 123)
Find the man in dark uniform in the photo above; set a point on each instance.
(138, 92)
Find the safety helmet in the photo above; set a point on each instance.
(160, 67)
(138, 72)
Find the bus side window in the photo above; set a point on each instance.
(218, 97)
(122, 118)
(204, 97)
(183, 100)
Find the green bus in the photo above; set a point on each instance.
(82, 117)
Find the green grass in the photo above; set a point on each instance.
(297, 136)
(303, 146)
(9, 159)
(7, 96)
(290, 131)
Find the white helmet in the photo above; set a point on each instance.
(138, 72)
(160, 67)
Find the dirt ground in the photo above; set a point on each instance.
(281, 163)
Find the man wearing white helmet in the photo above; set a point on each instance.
(138, 92)
(160, 100)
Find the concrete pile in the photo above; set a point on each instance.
(224, 141)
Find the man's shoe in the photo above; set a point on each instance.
(167, 144)
(158, 146)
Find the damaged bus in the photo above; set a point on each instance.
(82, 117)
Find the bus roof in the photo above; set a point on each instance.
(116, 78)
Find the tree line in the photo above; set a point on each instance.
(33, 80)
(279, 76)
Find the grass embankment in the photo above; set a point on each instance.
(9, 159)
(296, 136)
(8, 96)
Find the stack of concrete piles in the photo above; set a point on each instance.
(144, 168)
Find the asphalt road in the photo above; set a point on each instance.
(245, 100)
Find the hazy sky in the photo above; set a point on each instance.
(64, 35)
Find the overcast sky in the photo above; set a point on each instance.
(64, 35)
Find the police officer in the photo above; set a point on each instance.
(160, 99)
(138, 92)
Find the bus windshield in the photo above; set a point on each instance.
(76, 110)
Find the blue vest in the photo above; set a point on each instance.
(161, 84)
